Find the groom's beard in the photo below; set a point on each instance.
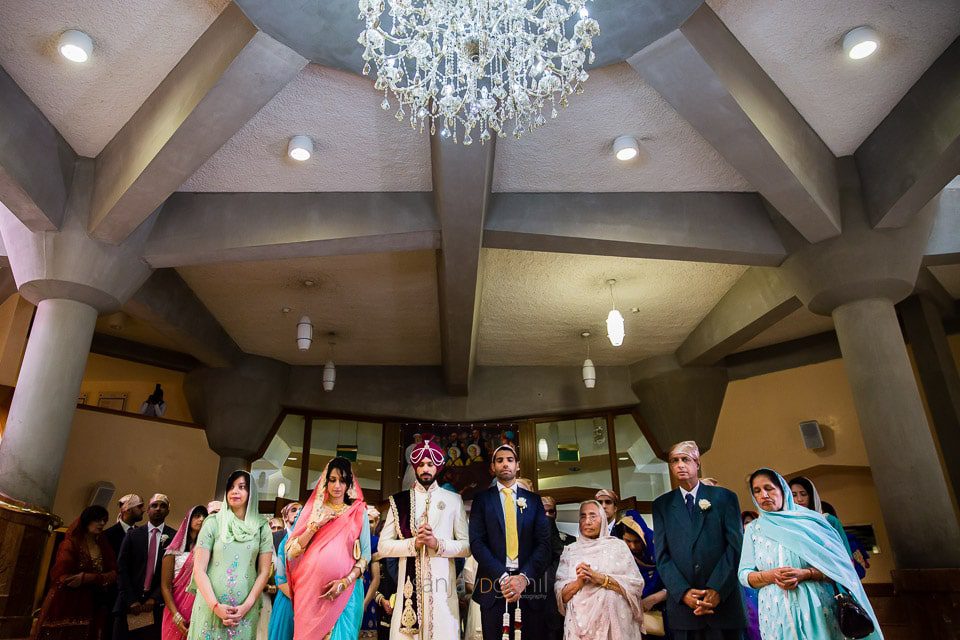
(425, 482)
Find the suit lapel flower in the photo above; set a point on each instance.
(704, 504)
(163, 538)
(522, 503)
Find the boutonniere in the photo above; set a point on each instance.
(522, 503)
(704, 504)
(163, 538)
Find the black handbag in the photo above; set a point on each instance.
(852, 618)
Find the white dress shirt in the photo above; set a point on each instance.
(684, 493)
(150, 530)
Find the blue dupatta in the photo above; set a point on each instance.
(809, 535)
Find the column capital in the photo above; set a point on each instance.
(862, 262)
(237, 405)
(68, 263)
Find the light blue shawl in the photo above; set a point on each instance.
(809, 535)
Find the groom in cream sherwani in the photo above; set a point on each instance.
(426, 528)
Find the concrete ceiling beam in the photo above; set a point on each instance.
(915, 151)
(206, 228)
(166, 303)
(731, 228)
(228, 75)
(704, 72)
(36, 163)
(462, 177)
(756, 302)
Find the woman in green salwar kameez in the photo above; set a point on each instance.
(232, 561)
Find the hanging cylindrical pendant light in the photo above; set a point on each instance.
(304, 333)
(615, 328)
(589, 372)
(329, 369)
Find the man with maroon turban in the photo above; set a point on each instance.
(426, 528)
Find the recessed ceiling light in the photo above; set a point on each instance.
(623, 458)
(860, 42)
(379, 469)
(75, 46)
(634, 309)
(308, 283)
(626, 148)
(300, 148)
(286, 309)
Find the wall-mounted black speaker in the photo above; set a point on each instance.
(810, 432)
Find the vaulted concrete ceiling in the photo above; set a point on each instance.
(366, 216)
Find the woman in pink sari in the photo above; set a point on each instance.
(175, 574)
(327, 552)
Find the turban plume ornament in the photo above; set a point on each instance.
(427, 448)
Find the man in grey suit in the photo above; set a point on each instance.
(697, 536)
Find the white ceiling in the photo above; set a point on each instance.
(382, 306)
(135, 45)
(798, 44)
(574, 152)
(536, 304)
(799, 324)
(357, 145)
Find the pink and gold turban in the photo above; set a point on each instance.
(688, 447)
(427, 448)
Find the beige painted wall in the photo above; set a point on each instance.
(112, 375)
(138, 456)
(758, 426)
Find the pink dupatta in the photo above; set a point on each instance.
(181, 580)
(328, 557)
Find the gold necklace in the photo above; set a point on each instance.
(336, 509)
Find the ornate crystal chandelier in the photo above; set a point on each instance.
(477, 64)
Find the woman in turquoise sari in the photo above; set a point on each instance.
(281, 619)
(794, 557)
(327, 553)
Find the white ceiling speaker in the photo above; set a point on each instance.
(300, 148)
(75, 45)
(626, 148)
(860, 42)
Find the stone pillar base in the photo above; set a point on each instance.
(24, 532)
(931, 598)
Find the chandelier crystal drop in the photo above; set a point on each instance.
(477, 67)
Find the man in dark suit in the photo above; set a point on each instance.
(138, 571)
(697, 536)
(510, 539)
(130, 513)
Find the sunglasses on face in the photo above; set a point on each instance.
(605, 501)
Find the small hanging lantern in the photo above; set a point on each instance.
(304, 333)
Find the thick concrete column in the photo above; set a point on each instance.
(910, 482)
(71, 278)
(938, 375)
(857, 278)
(46, 396)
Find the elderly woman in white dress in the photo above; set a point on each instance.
(599, 587)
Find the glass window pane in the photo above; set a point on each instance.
(280, 463)
(559, 444)
(642, 474)
(359, 442)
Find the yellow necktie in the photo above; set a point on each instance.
(510, 520)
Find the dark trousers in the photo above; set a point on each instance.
(491, 621)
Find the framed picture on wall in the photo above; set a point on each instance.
(113, 400)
